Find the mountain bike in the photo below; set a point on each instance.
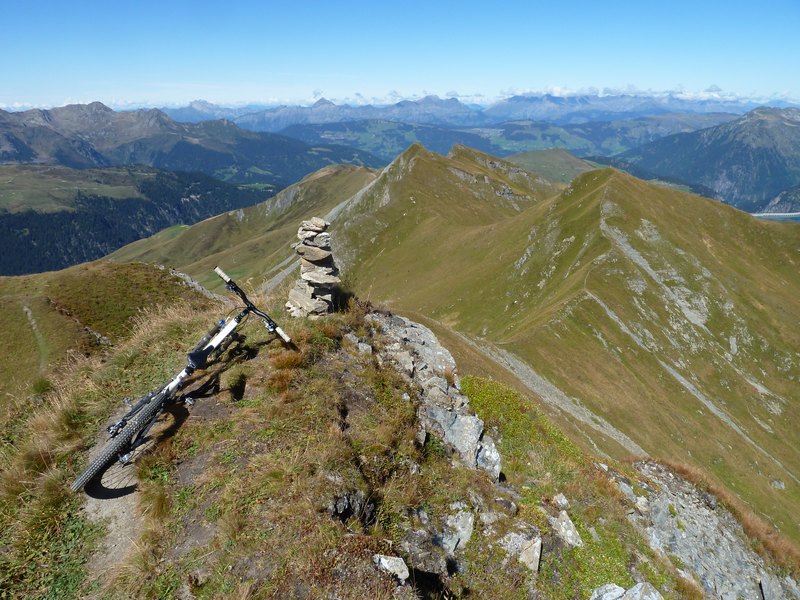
(130, 432)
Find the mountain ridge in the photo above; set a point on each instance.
(686, 331)
(746, 162)
(82, 136)
(562, 110)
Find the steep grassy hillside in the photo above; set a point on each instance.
(252, 241)
(83, 310)
(668, 317)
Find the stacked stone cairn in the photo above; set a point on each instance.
(313, 294)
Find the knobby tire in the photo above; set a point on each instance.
(118, 442)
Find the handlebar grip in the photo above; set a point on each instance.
(222, 274)
(283, 335)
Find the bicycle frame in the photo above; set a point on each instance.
(131, 431)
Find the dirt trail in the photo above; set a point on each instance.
(113, 502)
(40, 343)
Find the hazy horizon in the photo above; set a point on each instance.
(170, 54)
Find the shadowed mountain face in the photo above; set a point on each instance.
(92, 135)
(53, 217)
(650, 321)
(787, 201)
(746, 162)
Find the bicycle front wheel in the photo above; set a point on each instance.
(117, 444)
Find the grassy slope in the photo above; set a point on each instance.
(251, 241)
(473, 247)
(53, 188)
(245, 482)
(554, 165)
(67, 307)
(551, 284)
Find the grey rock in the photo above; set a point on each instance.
(394, 565)
(565, 529)
(326, 266)
(443, 410)
(462, 432)
(642, 591)
(531, 555)
(312, 296)
(320, 240)
(312, 253)
(315, 224)
(489, 457)
(353, 503)
(319, 277)
(526, 548)
(352, 338)
(306, 234)
(364, 348)
(422, 554)
(307, 303)
(490, 517)
(404, 361)
(627, 491)
(771, 588)
(594, 534)
(609, 591)
(561, 501)
(457, 531)
(684, 522)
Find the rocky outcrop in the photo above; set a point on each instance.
(313, 294)
(444, 411)
(526, 547)
(640, 591)
(690, 525)
(683, 523)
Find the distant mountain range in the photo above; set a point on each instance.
(93, 135)
(387, 139)
(747, 162)
(432, 110)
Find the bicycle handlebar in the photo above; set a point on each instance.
(272, 326)
(222, 274)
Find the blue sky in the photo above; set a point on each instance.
(171, 52)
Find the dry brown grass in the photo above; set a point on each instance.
(450, 375)
(286, 359)
(766, 540)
